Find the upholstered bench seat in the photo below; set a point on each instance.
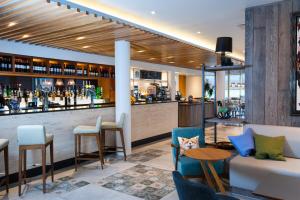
(3, 143)
(85, 130)
(248, 172)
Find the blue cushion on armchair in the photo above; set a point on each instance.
(244, 143)
(192, 167)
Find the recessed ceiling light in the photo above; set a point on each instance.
(153, 12)
(152, 58)
(141, 51)
(85, 47)
(171, 62)
(25, 36)
(191, 61)
(170, 57)
(198, 32)
(10, 24)
(80, 38)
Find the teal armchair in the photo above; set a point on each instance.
(189, 167)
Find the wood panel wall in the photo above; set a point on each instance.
(268, 50)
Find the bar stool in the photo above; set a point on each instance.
(4, 148)
(32, 137)
(113, 126)
(89, 131)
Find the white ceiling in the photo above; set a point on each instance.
(182, 19)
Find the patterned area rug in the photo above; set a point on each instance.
(141, 181)
(137, 158)
(59, 186)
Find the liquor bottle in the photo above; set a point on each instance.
(8, 92)
(19, 93)
(30, 96)
(25, 96)
(4, 92)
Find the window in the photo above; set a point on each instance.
(210, 78)
(235, 85)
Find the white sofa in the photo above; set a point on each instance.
(248, 172)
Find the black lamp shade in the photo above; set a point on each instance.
(224, 44)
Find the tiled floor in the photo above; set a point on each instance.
(146, 175)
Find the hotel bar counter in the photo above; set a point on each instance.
(148, 120)
(190, 113)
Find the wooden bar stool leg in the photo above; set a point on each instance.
(24, 165)
(123, 143)
(79, 145)
(102, 143)
(99, 149)
(44, 167)
(52, 161)
(20, 169)
(6, 167)
(75, 152)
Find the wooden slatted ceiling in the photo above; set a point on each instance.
(53, 24)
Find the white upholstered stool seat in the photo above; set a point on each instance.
(108, 125)
(88, 131)
(3, 143)
(114, 127)
(85, 130)
(34, 137)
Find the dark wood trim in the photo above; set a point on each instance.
(151, 139)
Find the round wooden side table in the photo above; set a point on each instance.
(209, 155)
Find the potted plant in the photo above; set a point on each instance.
(209, 90)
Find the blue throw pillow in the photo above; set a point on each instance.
(244, 143)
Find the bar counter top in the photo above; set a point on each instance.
(186, 103)
(69, 108)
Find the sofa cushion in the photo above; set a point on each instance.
(188, 143)
(269, 147)
(292, 137)
(244, 143)
(248, 172)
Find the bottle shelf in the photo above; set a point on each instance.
(19, 65)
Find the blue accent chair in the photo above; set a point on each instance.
(189, 167)
(188, 190)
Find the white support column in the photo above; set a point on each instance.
(122, 82)
(172, 84)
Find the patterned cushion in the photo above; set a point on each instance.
(188, 143)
